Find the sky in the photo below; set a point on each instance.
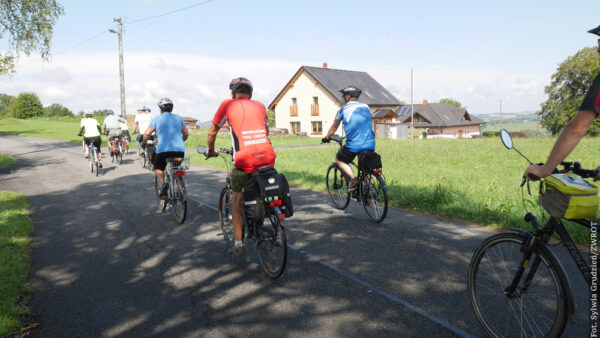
(476, 52)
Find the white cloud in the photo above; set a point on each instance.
(198, 84)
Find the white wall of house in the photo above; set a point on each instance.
(304, 89)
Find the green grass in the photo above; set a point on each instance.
(514, 126)
(15, 226)
(6, 160)
(475, 179)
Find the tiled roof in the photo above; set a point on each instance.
(442, 115)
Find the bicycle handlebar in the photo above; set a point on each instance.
(575, 168)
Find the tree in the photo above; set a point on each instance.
(452, 102)
(27, 105)
(29, 24)
(57, 109)
(567, 89)
(6, 103)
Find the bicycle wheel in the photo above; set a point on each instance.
(162, 204)
(337, 187)
(179, 200)
(91, 162)
(272, 247)
(120, 157)
(225, 215)
(142, 160)
(374, 197)
(538, 310)
(97, 168)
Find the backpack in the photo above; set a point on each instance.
(369, 160)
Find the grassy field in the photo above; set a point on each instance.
(476, 180)
(514, 126)
(6, 160)
(15, 226)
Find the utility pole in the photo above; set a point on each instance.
(121, 71)
(412, 106)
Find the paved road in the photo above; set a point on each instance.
(105, 263)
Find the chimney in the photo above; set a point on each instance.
(324, 64)
(425, 102)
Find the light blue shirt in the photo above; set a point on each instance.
(168, 130)
(358, 126)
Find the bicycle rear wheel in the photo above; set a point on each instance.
(179, 200)
(225, 215)
(162, 204)
(374, 197)
(120, 155)
(272, 247)
(337, 187)
(536, 310)
(142, 160)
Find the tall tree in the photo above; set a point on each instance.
(452, 102)
(6, 103)
(567, 89)
(29, 25)
(27, 105)
(57, 109)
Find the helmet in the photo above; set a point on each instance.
(110, 112)
(595, 31)
(241, 85)
(165, 104)
(142, 108)
(352, 91)
(89, 113)
(147, 109)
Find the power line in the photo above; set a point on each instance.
(167, 13)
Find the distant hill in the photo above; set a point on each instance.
(512, 116)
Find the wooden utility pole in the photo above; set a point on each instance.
(121, 71)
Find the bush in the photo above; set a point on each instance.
(27, 105)
(6, 103)
(488, 134)
(56, 109)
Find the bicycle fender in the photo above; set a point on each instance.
(561, 273)
(560, 269)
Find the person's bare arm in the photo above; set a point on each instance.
(210, 141)
(334, 127)
(573, 132)
(185, 133)
(149, 131)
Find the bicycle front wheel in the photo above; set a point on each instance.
(225, 215)
(162, 204)
(337, 187)
(374, 197)
(272, 247)
(538, 309)
(179, 200)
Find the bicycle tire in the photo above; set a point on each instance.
(120, 158)
(337, 187)
(540, 311)
(91, 161)
(97, 168)
(225, 215)
(162, 204)
(374, 197)
(142, 160)
(272, 247)
(179, 200)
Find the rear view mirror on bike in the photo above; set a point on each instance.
(506, 139)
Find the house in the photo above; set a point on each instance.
(190, 122)
(309, 102)
(442, 120)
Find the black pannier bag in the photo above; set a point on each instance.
(266, 183)
(369, 160)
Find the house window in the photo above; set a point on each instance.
(317, 127)
(294, 107)
(314, 108)
(295, 127)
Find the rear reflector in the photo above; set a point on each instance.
(180, 173)
(378, 171)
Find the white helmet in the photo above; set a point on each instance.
(165, 104)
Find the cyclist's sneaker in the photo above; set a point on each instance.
(99, 165)
(353, 184)
(163, 191)
(87, 155)
(238, 249)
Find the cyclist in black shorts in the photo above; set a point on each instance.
(90, 129)
(575, 130)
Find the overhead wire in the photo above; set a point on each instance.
(168, 13)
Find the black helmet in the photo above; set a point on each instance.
(110, 112)
(241, 85)
(353, 91)
(165, 104)
(595, 31)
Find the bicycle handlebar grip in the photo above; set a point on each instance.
(533, 177)
(529, 217)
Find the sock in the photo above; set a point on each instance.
(238, 243)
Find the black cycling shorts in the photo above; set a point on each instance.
(160, 163)
(96, 141)
(345, 155)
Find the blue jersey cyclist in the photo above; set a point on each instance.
(360, 137)
(171, 133)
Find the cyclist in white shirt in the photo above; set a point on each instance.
(124, 128)
(142, 122)
(90, 129)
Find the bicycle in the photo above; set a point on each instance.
(270, 239)
(116, 149)
(146, 155)
(176, 192)
(516, 284)
(371, 191)
(93, 159)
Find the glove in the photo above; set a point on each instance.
(79, 134)
(325, 140)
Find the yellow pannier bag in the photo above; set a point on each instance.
(569, 196)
